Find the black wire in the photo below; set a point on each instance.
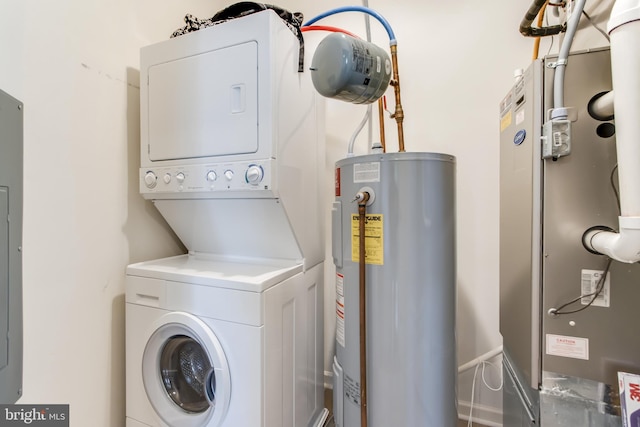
(600, 286)
(594, 295)
(615, 189)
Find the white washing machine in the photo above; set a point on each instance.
(230, 334)
(216, 343)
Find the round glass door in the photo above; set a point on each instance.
(187, 374)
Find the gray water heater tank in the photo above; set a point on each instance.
(350, 69)
(410, 290)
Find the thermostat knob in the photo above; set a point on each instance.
(211, 176)
(150, 179)
(228, 174)
(180, 177)
(167, 178)
(254, 174)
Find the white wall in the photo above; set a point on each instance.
(75, 66)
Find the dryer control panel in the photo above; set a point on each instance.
(214, 178)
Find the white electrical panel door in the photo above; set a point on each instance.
(204, 105)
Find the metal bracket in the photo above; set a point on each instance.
(557, 63)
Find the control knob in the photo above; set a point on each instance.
(254, 174)
(211, 176)
(150, 179)
(228, 174)
(180, 177)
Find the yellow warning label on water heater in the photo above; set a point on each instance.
(373, 238)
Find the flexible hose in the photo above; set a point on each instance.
(328, 28)
(380, 18)
(559, 112)
(528, 31)
(536, 43)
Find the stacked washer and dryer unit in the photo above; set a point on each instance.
(230, 334)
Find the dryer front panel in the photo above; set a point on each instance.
(185, 372)
(204, 105)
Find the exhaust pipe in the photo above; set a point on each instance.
(624, 31)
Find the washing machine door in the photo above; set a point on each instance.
(185, 372)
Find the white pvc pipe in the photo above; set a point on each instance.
(625, 73)
(603, 106)
(623, 246)
(483, 358)
(624, 30)
(354, 135)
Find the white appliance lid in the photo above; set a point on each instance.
(208, 270)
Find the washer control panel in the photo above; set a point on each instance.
(222, 177)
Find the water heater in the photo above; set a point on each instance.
(410, 290)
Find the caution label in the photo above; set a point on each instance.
(374, 239)
(563, 346)
(351, 389)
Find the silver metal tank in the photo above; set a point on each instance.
(410, 290)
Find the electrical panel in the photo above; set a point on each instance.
(11, 167)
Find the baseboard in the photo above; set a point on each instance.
(328, 380)
(482, 414)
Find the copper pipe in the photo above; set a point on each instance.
(399, 114)
(363, 198)
(381, 120)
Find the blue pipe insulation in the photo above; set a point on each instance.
(380, 18)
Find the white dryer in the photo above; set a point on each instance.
(216, 343)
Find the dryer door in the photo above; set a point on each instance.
(185, 372)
